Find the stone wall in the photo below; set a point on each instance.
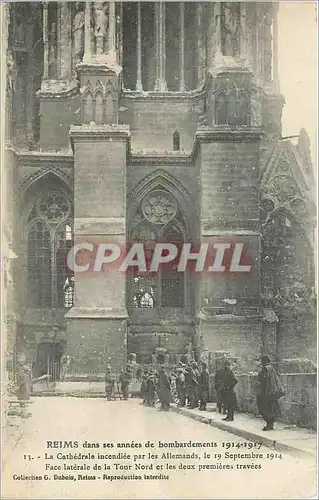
(298, 406)
(238, 336)
(302, 330)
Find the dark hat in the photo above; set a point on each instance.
(266, 359)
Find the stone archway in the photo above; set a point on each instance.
(288, 279)
(159, 304)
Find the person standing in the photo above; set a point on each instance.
(124, 384)
(188, 384)
(270, 391)
(218, 384)
(164, 389)
(24, 382)
(144, 386)
(181, 387)
(151, 389)
(109, 384)
(194, 385)
(228, 393)
(203, 387)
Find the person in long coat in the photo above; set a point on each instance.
(218, 384)
(24, 382)
(143, 390)
(151, 389)
(270, 391)
(110, 380)
(124, 380)
(164, 387)
(194, 385)
(203, 387)
(181, 387)
(228, 393)
(188, 384)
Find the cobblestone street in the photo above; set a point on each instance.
(99, 421)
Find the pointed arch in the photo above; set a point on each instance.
(46, 213)
(159, 210)
(88, 99)
(42, 181)
(284, 183)
(99, 107)
(99, 87)
(58, 173)
(162, 180)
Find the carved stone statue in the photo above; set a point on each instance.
(216, 28)
(20, 31)
(101, 25)
(9, 94)
(10, 74)
(78, 34)
(230, 28)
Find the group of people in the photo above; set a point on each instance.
(120, 385)
(189, 385)
(156, 385)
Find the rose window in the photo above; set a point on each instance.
(159, 207)
(54, 207)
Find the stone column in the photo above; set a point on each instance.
(59, 49)
(258, 29)
(96, 325)
(65, 48)
(243, 25)
(157, 43)
(160, 83)
(218, 23)
(275, 72)
(163, 5)
(182, 47)
(45, 42)
(139, 85)
(224, 223)
(201, 44)
(112, 28)
(120, 33)
(87, 32)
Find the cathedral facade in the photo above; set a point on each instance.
(153, 121)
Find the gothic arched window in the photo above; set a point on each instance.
(39, 264)
(50, 282)
(158, 219)
(172, 280)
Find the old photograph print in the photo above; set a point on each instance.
(158, 250)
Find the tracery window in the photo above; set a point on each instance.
(50, 283)
(38, 263)
(157, 219)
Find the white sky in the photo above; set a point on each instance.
(297, 26)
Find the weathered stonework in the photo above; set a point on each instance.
(204, 134)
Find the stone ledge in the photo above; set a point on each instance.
(228, 318)
(99, 225)
(206, 133)
(232, 428)
(57, 89)
(89, 132)
(96, 313)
